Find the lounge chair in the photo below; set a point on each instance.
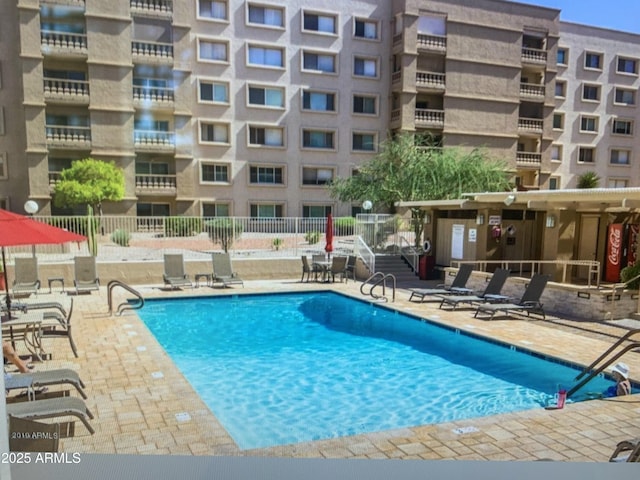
(491, 293)
(52, 408)
(223, 271)
(530, 301)
(308, 269)
(456, 287)
(85, 275)
(174, 274)
(338, 266)
(29, 436)
(626, 451)
(57, 376)
(26, 276)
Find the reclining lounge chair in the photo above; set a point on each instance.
(52, 408)
(85, 275)
(174, 274)
(491, 293)
(457, 286)
(223, 271)
(26, 276)
(530, 301)
(57, 376)
(626, 451)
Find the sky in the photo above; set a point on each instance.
(614, 14)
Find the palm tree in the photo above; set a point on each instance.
(588, 180)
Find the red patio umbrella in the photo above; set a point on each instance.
(16, 230)
(328, 232)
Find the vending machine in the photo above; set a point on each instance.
(622, 240)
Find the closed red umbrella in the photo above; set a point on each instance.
(329, 236)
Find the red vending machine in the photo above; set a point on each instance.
(613, 262)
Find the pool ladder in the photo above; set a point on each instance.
(588, 374)
(380, 279)
(125, 305)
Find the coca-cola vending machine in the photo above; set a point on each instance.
(622, 240)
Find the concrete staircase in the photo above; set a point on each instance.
(396, 265)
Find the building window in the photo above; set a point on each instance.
(265, 211)
(266, 96)
(319, 62)
(215, 209)
(588, 124)
(148, 168)
(563, 56)
(212, 51)
(561, 87)
(153, 210)
(364, 142)
(318, 101)
(318, 139)
(554, 183)
(265, 16)
(214, 172)
(213, 92)
(212, 9)
(316, 176)
(558, 121)
(622, 127)
(593, 60)
(620, 157)
(267, 175)
(625, 97)
(556, 153)
(586, 154)
(316, 211)
(214, 132)
(618, 183)
(265, 57)
(266, 136)
(363, 28)
(627, 65)
(365, 67)
(314, 22)
(3, 165)
(363, 104)
(591, 92)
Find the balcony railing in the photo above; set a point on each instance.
(396, 77)
(433, 118)
(69, 90)
(529, 158)
(153, 139)
(153, 94)
(152, 6)
(532, 90)
(54, 177)
(430, 80)
(79, 137)
(156, 184)
(534, 55)
(62, 42)
(152, 50)
(530, 124)
(396, 115)
(397, 39)
(431, 42)
(74, 3)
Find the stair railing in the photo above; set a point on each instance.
(362, 250)
(409, 253)
(611, 313)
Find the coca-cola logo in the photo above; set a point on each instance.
(615, 242)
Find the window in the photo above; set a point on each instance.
(150, 168)
(266, 136)
(270, 175)
(214, 172)
(365, 67)
(365, 142)
(3, 165)
(271, 97)
(364, 104)
(212, 51)
(622, 127)
(627, 65)
(556, 153)
(265, 16)
(618, 183)
(586, 154)
(318, 139)
(313, 22)
(153, 210)
(318, 101)
(554, 183)
(561, 87)
(620, 157)
(593, 60)
(563, 56)
(215, 209)
(365, 29)
(591, 92)
(212, 9)
(316, 211)
(266, 56)
(213, 92)
(558, 121)
(588, 124)
(625, 97)
(265, 211)
(214, 132)
(316, 176)
(319, 62)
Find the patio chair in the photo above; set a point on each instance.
(174, 274)
(57, 376)
(52, 408)
(491, 293)
(626, 451)
(26, 276)
(223, 270)
(456, 287)
(350, 269)
(338, 266)
(529, 303)
(85, 275)
(308, 269)
(29, 436)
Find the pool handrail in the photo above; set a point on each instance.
(125, 305)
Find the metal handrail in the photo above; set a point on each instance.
(612, 312)
(382, 281)
(363, 251)
(125, 305)
(409, 253)
(626, 336)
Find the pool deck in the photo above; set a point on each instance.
(143, 405)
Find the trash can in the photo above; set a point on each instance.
(426, 266)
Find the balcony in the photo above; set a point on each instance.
(153, 96)
(396, 77)
(152, 52)
(530, 124)
(430, 81)
(71, 3)
(66, 91)
(534, 55)
(68, 137)
(154, 140)
(156, 185)
(154, 8)
(54, 178)
(63, 44)
(432, 43)
(528, 159)
(429, 118)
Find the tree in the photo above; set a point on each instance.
(409, 168)
(588, 180)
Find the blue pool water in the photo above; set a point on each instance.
(287, 368)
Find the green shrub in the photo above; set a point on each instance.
(223, 231)
(182, 226)
(627, 273)
(121, 237)
(312, 237)
(277, 243)
(344, 225)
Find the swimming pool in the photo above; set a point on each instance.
(286, 368)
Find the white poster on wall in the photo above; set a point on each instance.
(457, 242)
(473, 233)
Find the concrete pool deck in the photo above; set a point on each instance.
(143, 405)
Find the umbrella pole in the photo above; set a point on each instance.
(6, 284)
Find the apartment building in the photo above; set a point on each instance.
(248, 108)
